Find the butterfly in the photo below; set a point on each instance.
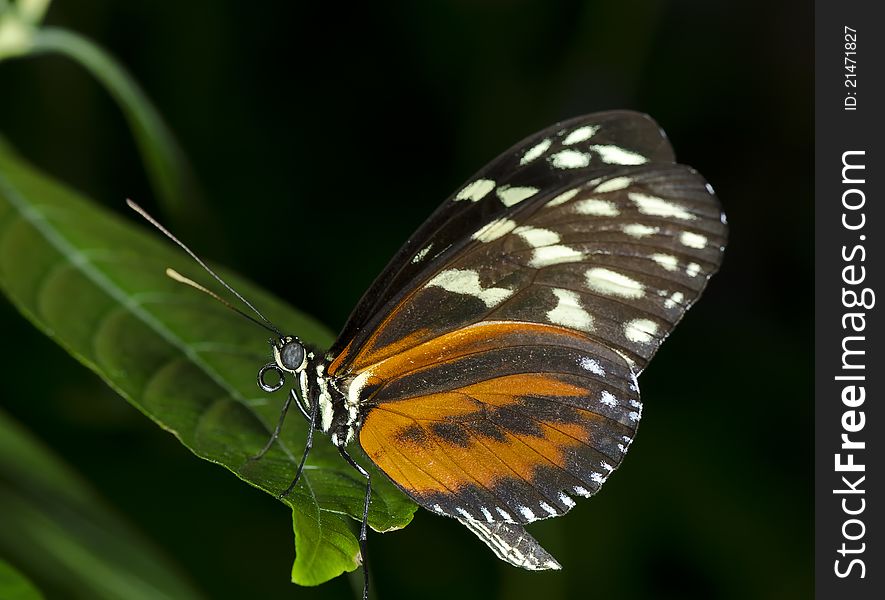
(490, 371)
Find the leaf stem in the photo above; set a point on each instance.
(163, 159)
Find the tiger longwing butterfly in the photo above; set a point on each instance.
(491, 370)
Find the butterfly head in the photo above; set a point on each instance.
(289, 354)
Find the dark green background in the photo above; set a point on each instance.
(322, 137)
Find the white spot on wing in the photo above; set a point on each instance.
(668, 261)
(591, 365)
(606, 466)
(692, 269)
(550, 510)
(465, 281)
(463, 513)
(570, 159)
(594, 206)
(641, 331)
(652, 205)
(692, 240)
(527, 513)
(476, 190)
(504, 514)
(636, 415)
(535, 151)
(639, 230)
(537, 237)
(615, 155)
(554, 255)
(493, 230)
(422, 253)
(613, 283)
(511, 196)
(580, 134)
(709, 188)
(486, 514)
(568, 311)
(563, 197)
(563, 497)
(608, 399)
(674, 300)
(582, 491)
(614, 184)
(597, 478)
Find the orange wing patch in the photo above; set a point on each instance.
(474, 446)
(499, 420)
(412, 353)
(369, 357)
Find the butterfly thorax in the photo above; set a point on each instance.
(335, 417)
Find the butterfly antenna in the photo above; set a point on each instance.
(178, 277)
(175, 275)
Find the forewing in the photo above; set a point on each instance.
(618, 258)
(563, 154)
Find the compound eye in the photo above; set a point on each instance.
(292, 356)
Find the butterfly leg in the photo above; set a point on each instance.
(365, 521)
(277, 429)
(314, 410)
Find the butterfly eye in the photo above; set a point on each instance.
(291, 356)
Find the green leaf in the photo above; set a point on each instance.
(57, 528)
(15, 586)
(95, 283)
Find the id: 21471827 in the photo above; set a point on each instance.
(850, 72)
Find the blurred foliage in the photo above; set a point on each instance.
(324, 137)
(15, 586)
(21, 35)
(63, 534)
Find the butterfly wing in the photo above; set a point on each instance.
(513, 544)
(620, 258)
(501, 421)
(498, 378)
(603, 139)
